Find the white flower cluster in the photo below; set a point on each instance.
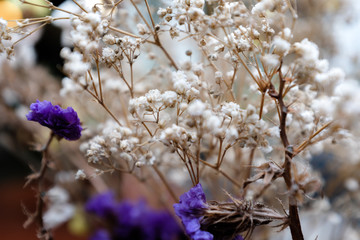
(241, 38)
(115, 147)
(177, 136)
(118, 47)
(183, 9)
(60, 209)
(264, 5)
(229, 123)
(186, 84)
(4, 36)
(308, 64)
(152, 103)
(87, 30)
(75, 64)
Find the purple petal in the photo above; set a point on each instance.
(63, 122)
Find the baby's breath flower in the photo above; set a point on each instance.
(80, 175)
(196, 108)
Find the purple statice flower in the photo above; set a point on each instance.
(101, 234)
(125, 220)
(63, 122)
(238, 237)
(190, 209)
(102, 205)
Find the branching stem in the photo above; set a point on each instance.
(294, 221)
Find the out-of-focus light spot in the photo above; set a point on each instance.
(10, 11)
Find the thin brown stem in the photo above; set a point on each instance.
(223, 155)
(99, 76)
(294, 221)
(219, 153)
(147, 129)
(131, 79)
(37, 216)
(191, 167)
(141, 15)
(93, 84)
(306, 143)
(165, 182)
(123, 32)
(222, 173)
(149, 12)
(198, 161)
(121, 76)
(27, 35)
(262, 104)
(79, 6)
(159, 44)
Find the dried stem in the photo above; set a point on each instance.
(37, 216)
(294, 221)
(159, 44)
(167, 185)
(222, 173)
(123, 32)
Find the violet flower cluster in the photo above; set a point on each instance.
(64, 123)
(136, 221)
(191, 209)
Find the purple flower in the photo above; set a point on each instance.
(126, 220)
(63, 122)
(100, 234)
(101, 205)
(190, 209)
(238, 237)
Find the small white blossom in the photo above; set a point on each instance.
(169, 98)
(309, 51)
(58, 214)
(281, 46)
(262, 6)
(271, 60)
(60, 210)
(80, 175)
(57, 195)
(196, 108)
(352, 184)
(74, 63)
(180, 82)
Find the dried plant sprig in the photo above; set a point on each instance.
(238, 217)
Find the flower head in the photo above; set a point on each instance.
(100, 234)
(63, 122)
(190, 209)
(193, 210)
(128, 220)
(102, 205)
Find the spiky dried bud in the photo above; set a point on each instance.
(229, 219)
